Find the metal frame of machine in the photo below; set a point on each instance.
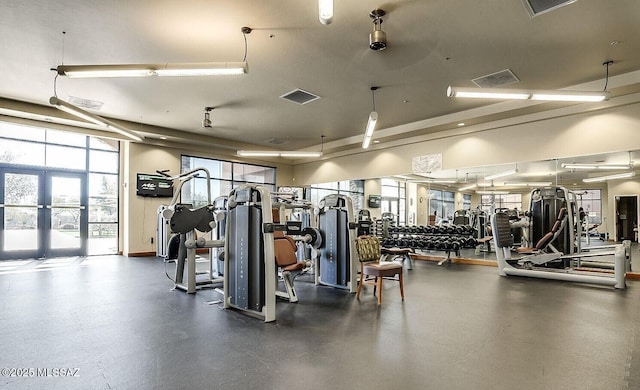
(338, 263)
(556, 198)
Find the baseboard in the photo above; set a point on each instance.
(457, 260)
(141, 254)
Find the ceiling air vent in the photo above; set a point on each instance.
(275, 141)
(300, 96)
(85, 103)
(495, 80)
(537, 7)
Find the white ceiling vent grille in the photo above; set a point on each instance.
(275, 141)
(85, 103)
(537, 7)
(495, 80)
(300, 96)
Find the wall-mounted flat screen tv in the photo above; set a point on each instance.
(154, 185)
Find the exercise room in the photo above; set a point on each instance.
(320, 194)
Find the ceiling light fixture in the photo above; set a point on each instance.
(492, 192)
(541, 95)
(266, 153)
(433, 181)
(325, 11)
(378, 38)
(609, 177)
(469, 187)
(594, 166)
(160, 70)
(515, 94)
(98, 120)
(371, 123)
(527, 184)
(146, 70)
(502, 174)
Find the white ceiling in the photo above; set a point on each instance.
(431, 44)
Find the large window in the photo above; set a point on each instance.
(591, 202)
(225, 175)
(394, 199)
(351, 188)
(58, 151)
(498, 201)
(442, 204)
(466, 201)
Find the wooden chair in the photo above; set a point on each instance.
(368, 249)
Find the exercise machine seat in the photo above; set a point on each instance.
(547, 238)
(285, 253)
(369, 253)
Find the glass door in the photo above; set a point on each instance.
(21, 216)
(65, 212)
(42, 214)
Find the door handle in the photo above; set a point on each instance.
(66, 207)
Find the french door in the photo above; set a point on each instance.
(42, 213)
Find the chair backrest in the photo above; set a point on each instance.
(368, 248)
(285, 251)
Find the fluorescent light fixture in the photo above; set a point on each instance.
(300, 154)
(269, 153)
(467, 187)
(145, 70)
(89, 117)
(492, 192)
(325, 11)
(501, 174)
(605, 167)
(570, 96)
(371, 125)
(595, 166)
(609, 177)
(528, 184)
(487, 93)
(436, 181)
(578, 166)
(257, 153)
(515, 94)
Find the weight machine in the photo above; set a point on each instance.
(557, 253)
(184, 221)
(338, 263)
(249, 260)
(503, 242)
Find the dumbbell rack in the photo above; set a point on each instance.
(377, 228)
(448, 239)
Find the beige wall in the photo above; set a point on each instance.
(604, 131)
(372, 187)
(140, 213)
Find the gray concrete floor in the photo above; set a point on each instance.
(115, 320)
